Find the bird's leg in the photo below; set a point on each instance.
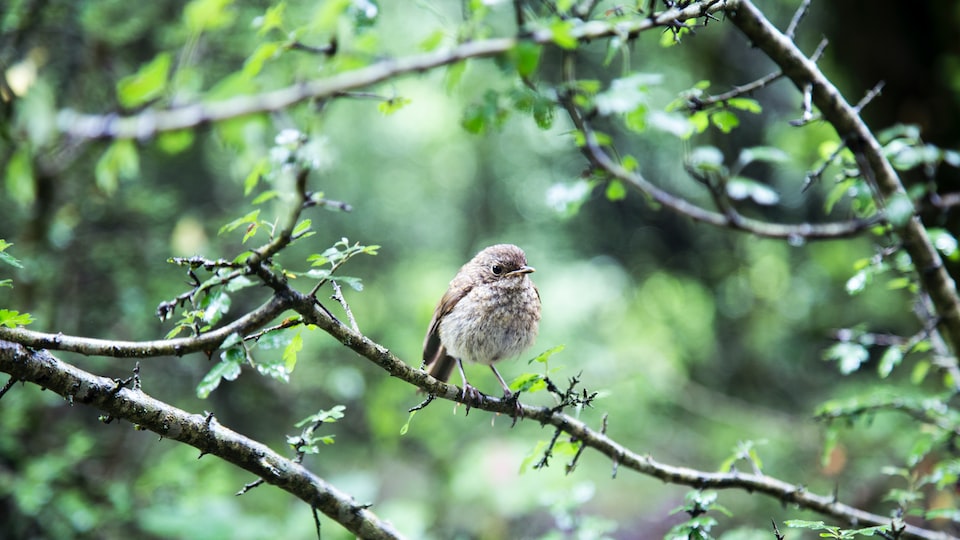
(509, 396)
(470, 395)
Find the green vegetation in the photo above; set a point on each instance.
(738, 290)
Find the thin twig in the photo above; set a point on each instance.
(797, 17)
(7, 386)
(338, 296)
(873, 93)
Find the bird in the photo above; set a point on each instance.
(490, 312)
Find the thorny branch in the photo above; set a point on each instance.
(23, 357)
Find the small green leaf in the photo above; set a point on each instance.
(6, 257)
(545, 355)
(567, 198)
(174, 142)
(526, 56)
(324, 416)
(290, 352)
(265, 196)
(214, 306)
(724, 120)
(393, 105)
(849, 356)
(745, 104)
(562, 33)
(228, 368)
(945, 243)
(454, 75)
(616, 191)
(899, 209)
(700, 121)
(200, 15)
(20, 183)
(302, 227)
(675, 124)
(12, 319)
(263, 52)
(766, 154)
(529, 383)
(740, 188)
(146, 84)
(626, 94)
(532, 456)
(119, 161)
(406, 426)
(272, 18)
(432, 42)
(250, 218)
(706, 158)
(891, 358)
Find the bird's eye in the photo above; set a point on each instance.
(497, 269)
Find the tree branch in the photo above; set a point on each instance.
(151, 122)
(846, 120)
(201, 432)
(207, 342)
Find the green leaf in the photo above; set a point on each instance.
(290, 352)
(740, 188)
(263, 52)
(214, 305)
(119, 161)
(272, 18)
(700, 121)
(250, 218)
(891, 358)
(858, 282)
(323, 416)
(12, 319)
(626, 94)
(545, 355)
(528, 382)
(393, 105)
(849, 356)
(567, 198)
(259, 170)
(174, 142)
(534, 455)
(200, 15)
(454, 74)
(616, 191)
(673, 123)
(724, 120)
(302, 227)
(432, 42)
(745, 104)
(706, 158)
(6, 257)
(526, 56)
(147, 84)
(228, 368)
(20, 183)
(406, 426)
(562, 33)
(766, 154)
(945, 243)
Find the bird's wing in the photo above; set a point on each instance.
(432, 348)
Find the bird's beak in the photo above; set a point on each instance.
(522, 270)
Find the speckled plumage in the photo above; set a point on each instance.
(490, 312)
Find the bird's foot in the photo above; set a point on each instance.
(470, 396)
(513, 399)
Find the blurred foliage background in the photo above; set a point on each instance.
(698, 339)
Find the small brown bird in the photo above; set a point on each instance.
(491, 311)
